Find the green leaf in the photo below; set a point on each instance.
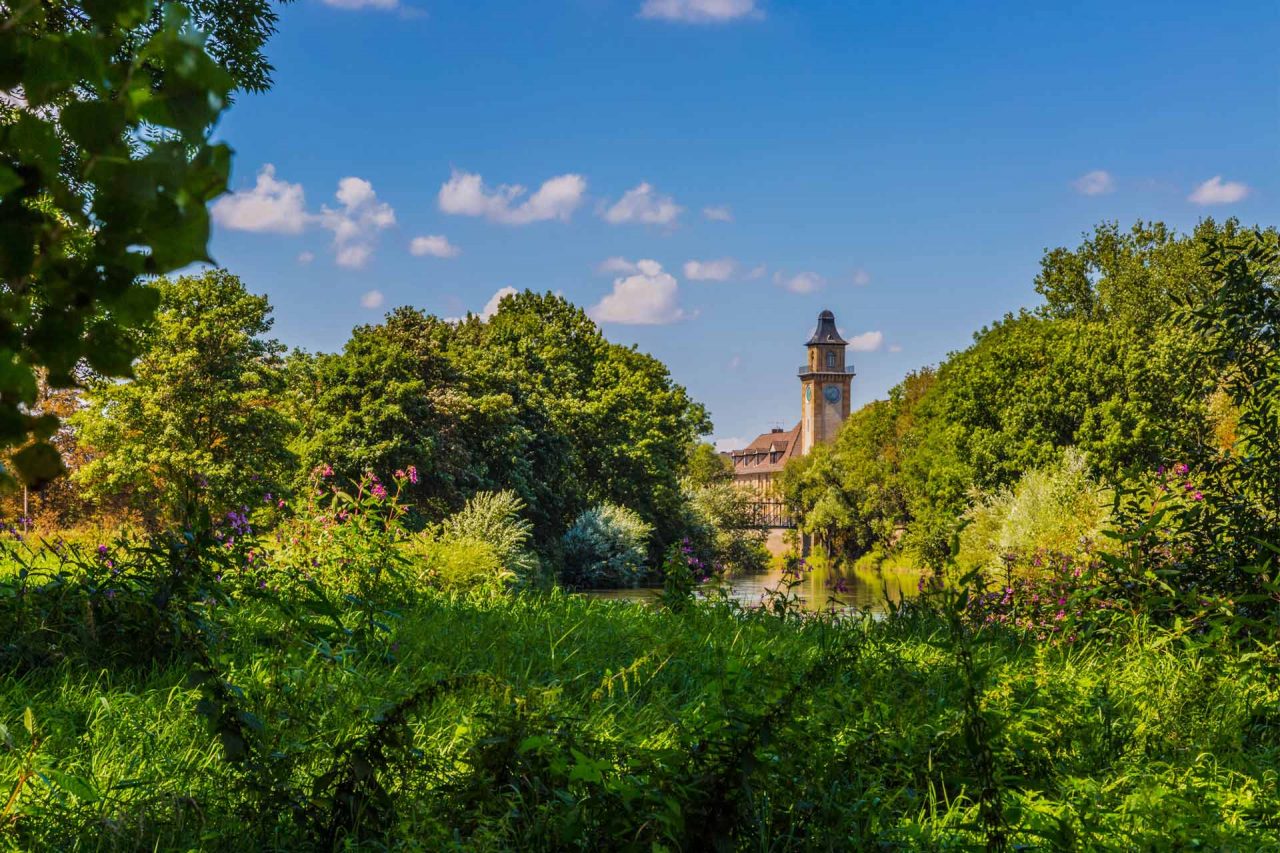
(9, 180)
(77, 787)
(38, 463)
(29, 721)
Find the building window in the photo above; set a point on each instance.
(831, 359)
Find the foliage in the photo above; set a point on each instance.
(1059, 509)
(200, 422)
(458, 564)
(1106, 366)
(533, 400)
(558, 722)
(393, 399)
(606, 546)
(708, 466)
(105, 172)
(495, 518)
(724, 530)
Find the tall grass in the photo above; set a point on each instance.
(559, 722)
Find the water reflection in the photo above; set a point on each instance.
(818, 588)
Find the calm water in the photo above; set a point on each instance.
(862, 591)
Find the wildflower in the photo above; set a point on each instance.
(413, 475)
(379, 491)
(399, 474)
(280, 504)
(1197, 497)
(102, 550)
(1181, 468)
(326, 470)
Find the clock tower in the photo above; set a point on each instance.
(824, 383)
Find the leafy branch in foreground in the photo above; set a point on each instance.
(106, 169)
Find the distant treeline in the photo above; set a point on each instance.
(532, 399)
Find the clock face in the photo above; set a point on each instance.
(832, 393)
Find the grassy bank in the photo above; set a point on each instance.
(495, 722)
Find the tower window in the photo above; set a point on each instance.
(831, 359)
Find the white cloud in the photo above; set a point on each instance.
(1217, 191)
(643, 204)
(895, 347)
(866, 342)
(801, 282)
(861, 278)
(272, 206)
(372, 299)
(435, 245)
(465, 194)
(650, 297)
(279, 207)
(718, 213)
(491, 307)
(758, 271)
(735, 362)
(356, 224)
(700, 11)
(724, 445)
(721, 269)
(618, 265)
(1097, 182)
(306, 257)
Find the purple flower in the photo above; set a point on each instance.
(413, 475)
(379, 491)
(102, 550)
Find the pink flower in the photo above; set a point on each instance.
(379, 491)
(1197, 497)
(399, 475)
(413, 475)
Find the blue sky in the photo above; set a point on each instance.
(901, 164)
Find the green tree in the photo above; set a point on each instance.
(201, 422)
(393, 399)
(708, 466)
(598, 422)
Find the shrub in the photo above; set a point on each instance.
(605, 546)
(736, 537)
(1058, 509)
(494, 518)
(457, 563)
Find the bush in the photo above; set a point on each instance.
(1058, 509)
(725, 525)
(494, 518)
(457, 563)
(605, 546)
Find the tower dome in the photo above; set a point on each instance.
(826, 332)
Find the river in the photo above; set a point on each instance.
(818, 588)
